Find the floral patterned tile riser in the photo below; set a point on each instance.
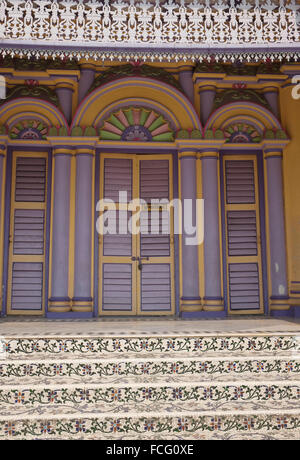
(143, 371)
(151, 345)
(100, 399)
(189, 428)
(150, 387)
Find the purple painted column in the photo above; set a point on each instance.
(213, 300)
(87, 78)
(277, 235)
(60, 300)
(207, 98)
(64, 91)
(186, 81)
(190, 255)
(272, 97)
(83, 300)
(3, 153)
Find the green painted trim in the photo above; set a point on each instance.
(108, 136)
(166, 137)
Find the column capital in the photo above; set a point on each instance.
(273, 148)
(213, 153)
(199, 148)
(73, 144)
(186, 154)
(206, 87)
(62, 150)
(88, 150)
(186, 68)
(188, 147)
(270, 89)
(88, 66)
(63, 84)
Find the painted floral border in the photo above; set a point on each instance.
(285, 426)
(200, 368)
(94, 346)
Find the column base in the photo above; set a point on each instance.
(191, 304)
(279, 303)
(82, 304)
(294, 301)
(213, 304)
(203, 315)
(69, 315)
(60, 304)
(293, 312)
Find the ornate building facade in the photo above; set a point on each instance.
(165, 100)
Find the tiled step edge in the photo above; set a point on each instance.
(277, 425)
(107, 398)
(13, 348)
(16, 371)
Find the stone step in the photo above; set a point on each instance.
(119, 372)
(245, 425)
(196, 395)
(133, 347)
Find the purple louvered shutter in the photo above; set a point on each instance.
(240, 182)
(156, 287)
(30, 180)
(118, 177)
(244, 286)
(155, 241)
(242, 223)
(27, 286)
(28, 234)
(117, 274)
(117, 287)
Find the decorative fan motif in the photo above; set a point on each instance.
(29, 130)
(241, 133)
(137, 124)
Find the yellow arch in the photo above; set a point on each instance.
(257, 115)
(153, 93)
(20, 109)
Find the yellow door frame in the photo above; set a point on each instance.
(136, 249)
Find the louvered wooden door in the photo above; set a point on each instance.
(27, 234)
(243, 235)
(137, 266)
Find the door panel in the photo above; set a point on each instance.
(27, 234)
(156, 289)
(243, 242)
(118, 176)
(117, 287)
(137, 269)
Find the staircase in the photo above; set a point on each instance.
(151, 387)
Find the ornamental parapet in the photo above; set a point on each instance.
(94, 29)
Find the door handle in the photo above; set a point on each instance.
(140, 260)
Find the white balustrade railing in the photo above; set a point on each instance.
(151, 24)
